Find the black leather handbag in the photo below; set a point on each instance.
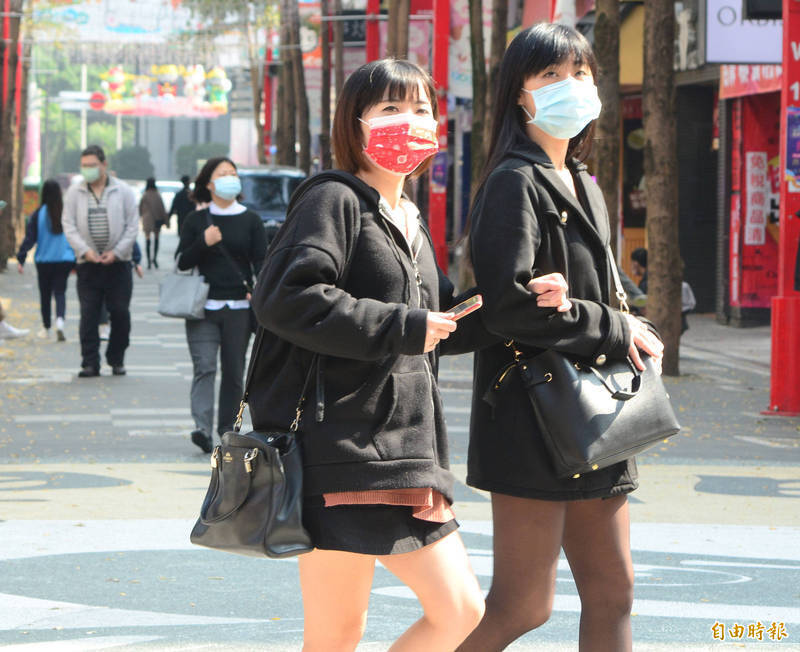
(592, 418)
(253, 505)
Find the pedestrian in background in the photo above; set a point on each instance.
(154, 216)
(553, 219)
(7, 331)
(54, 257)
(639, 268)
(226, 242)
(376, 477)
(182, 203)
(100, 221)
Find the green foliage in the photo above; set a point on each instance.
(188, 157)
(132, 163)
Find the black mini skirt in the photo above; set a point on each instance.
(370, 529)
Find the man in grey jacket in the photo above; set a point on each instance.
(101, 221)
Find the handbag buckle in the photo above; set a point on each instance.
(237, 422)
(249, 456)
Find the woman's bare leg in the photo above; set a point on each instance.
(442, 579)
(527, 542)
(336, 588)
(597, 545)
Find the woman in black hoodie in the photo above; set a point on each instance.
(352, 276)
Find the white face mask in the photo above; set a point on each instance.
(563, 109)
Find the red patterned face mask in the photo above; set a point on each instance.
(399, 143)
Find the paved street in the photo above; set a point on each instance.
(100, 487)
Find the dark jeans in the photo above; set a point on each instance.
(52, 278)
(112, 284)
(225, 332)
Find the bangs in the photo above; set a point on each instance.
(553, 44)
(396, 80)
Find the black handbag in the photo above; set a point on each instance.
(253, 505)
(590, 419)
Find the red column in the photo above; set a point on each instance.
(785, 376)
(373, 33)
(437, 202)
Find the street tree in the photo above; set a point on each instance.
(478, 145)
(497, 48)
(661, 178)
(607, 134)
(397, 29)
(299, 84)
(8, 136)
(250, 18)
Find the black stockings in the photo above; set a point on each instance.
(528, 535)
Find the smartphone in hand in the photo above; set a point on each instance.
(466, 307)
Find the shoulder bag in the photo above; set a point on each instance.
(592, 418)
(182, 295)
(253, 505)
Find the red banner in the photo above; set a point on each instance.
(737, 81)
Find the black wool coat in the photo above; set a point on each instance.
(526, 223)
(374, 417)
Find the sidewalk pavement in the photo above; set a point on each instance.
(101, 486)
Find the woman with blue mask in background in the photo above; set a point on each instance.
(226, 242)
(553, 221)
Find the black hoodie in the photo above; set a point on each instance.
(383, 425)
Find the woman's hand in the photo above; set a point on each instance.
(643, 339)
(551, 291)
(440, 325)
(212, 235)
(20, 268)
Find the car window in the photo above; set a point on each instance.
(294, 183)
(263, 192)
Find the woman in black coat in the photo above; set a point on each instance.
(537, 211)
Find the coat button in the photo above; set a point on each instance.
(600, 360)
(564, 216)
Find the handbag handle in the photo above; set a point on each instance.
(620, 293)
(619, 394)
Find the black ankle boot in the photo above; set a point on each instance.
(147, 249)
(155, 253)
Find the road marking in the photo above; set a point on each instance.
(81, 644)
(737, 564)
(772, 442)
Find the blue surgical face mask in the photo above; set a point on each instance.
(227, 187)
(563, 109)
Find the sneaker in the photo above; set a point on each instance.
(8, 332)
(201, 439)
(88, 372)
(105, 331)
(43, 334)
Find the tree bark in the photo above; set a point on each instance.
(338, 49)
(397, 29)
(22, 132)
(7, 138)
(661, 178)
(300, 96)
(607, 143)
(478, 144)
(497, 48)
(285, 136)
(325, 100)
(257, 84)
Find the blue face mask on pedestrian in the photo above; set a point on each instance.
(563, 109)
(227, 187)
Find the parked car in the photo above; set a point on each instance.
(267, 190)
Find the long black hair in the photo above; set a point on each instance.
(201, 192)
(51, 197)
(532, 51)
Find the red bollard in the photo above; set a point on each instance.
(784, 396)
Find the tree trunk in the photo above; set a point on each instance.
(257, 84)
(391, 27)
(8, 137)
(607, 143)
(286, 124)
(22, 136)
(661, 178)
(338, 49)
(325, 117)
(300, 96)
(478, 144)
(397, 29)
(497, 48)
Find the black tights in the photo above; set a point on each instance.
(528, 535)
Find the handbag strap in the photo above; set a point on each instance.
(621, 295)
(224, 251)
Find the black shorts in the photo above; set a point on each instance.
(370, 529)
